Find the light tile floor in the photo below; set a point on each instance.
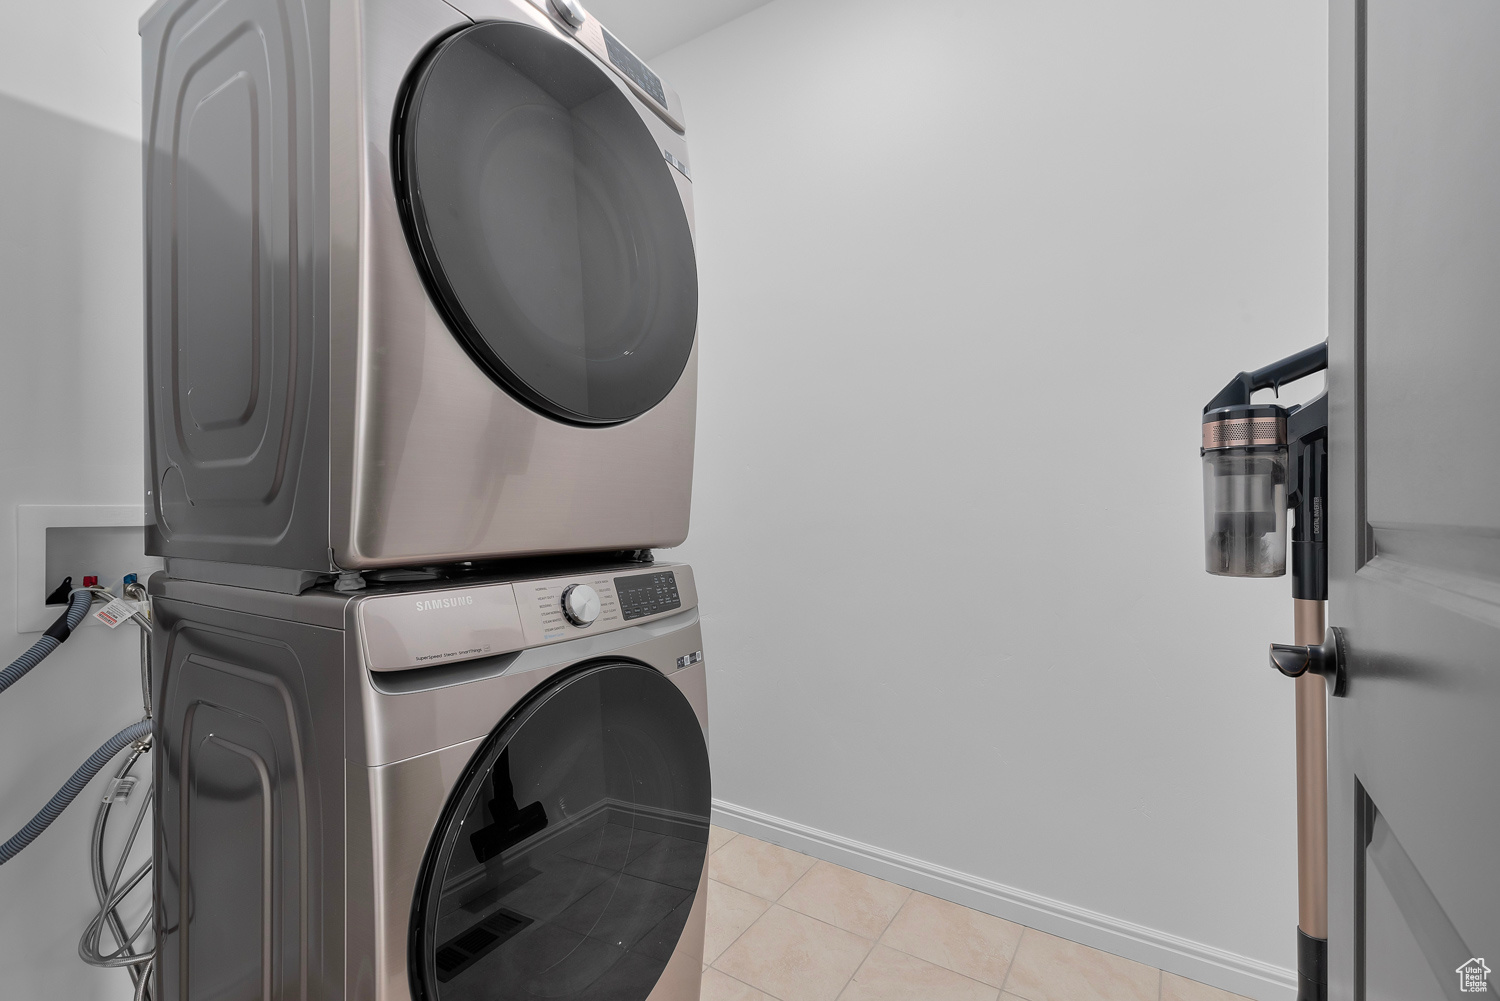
(786, 927)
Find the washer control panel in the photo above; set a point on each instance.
(571, 17)
(544, 610)
(633, 69)
(422, 626)
(565, 607)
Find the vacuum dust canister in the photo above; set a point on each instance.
(1244, 490)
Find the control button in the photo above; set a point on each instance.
(580, 604)
(647, 594)
(570, 11)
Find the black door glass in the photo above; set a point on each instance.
(546, 223)
(570, 854)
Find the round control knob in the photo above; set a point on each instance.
(580, 604)
(570, 11)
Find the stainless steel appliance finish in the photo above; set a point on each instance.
(312, 405)
(335, 823)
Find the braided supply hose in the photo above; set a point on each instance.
(78, 606)
(143, 988)
(70, 790)
(112, 888)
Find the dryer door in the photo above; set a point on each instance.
(546, 222)
(569, 855)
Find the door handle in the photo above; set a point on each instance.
(1325, 659)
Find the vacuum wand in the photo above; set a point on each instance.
(1259, 461)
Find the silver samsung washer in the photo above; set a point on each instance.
(421, 285)
(467, 790)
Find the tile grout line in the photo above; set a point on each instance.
(873, 942)
(902, 906)
(737, 980)
(1010, 961)
(725, 951)
(777, 902)
(910, 893)
(876, 940)
(771, 903)
(735, 835)
(1010, 964)
(857, 966)
(1010, 967)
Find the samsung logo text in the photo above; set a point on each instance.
(456, 600)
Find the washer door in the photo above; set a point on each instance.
(569, 855)
(546, 223)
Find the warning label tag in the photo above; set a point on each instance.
(114, 613)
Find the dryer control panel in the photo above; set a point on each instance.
(441, 625)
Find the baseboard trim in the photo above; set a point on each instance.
(1204, 963)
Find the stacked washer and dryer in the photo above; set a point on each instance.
(421, 301)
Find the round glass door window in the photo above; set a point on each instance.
(569, 855)
(546, 223)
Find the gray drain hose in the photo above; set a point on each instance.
(74, 786)
(78, 607)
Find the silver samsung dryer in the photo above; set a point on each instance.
(468, 790)
(420, 285)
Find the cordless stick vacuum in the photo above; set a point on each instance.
(1259, 460)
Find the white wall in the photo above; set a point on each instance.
(969, 274)
(79, 58)
(71, 401)
(71, 404)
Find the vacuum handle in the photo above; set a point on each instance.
(1273, 376)
(1292, 368)
(1325, 659)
